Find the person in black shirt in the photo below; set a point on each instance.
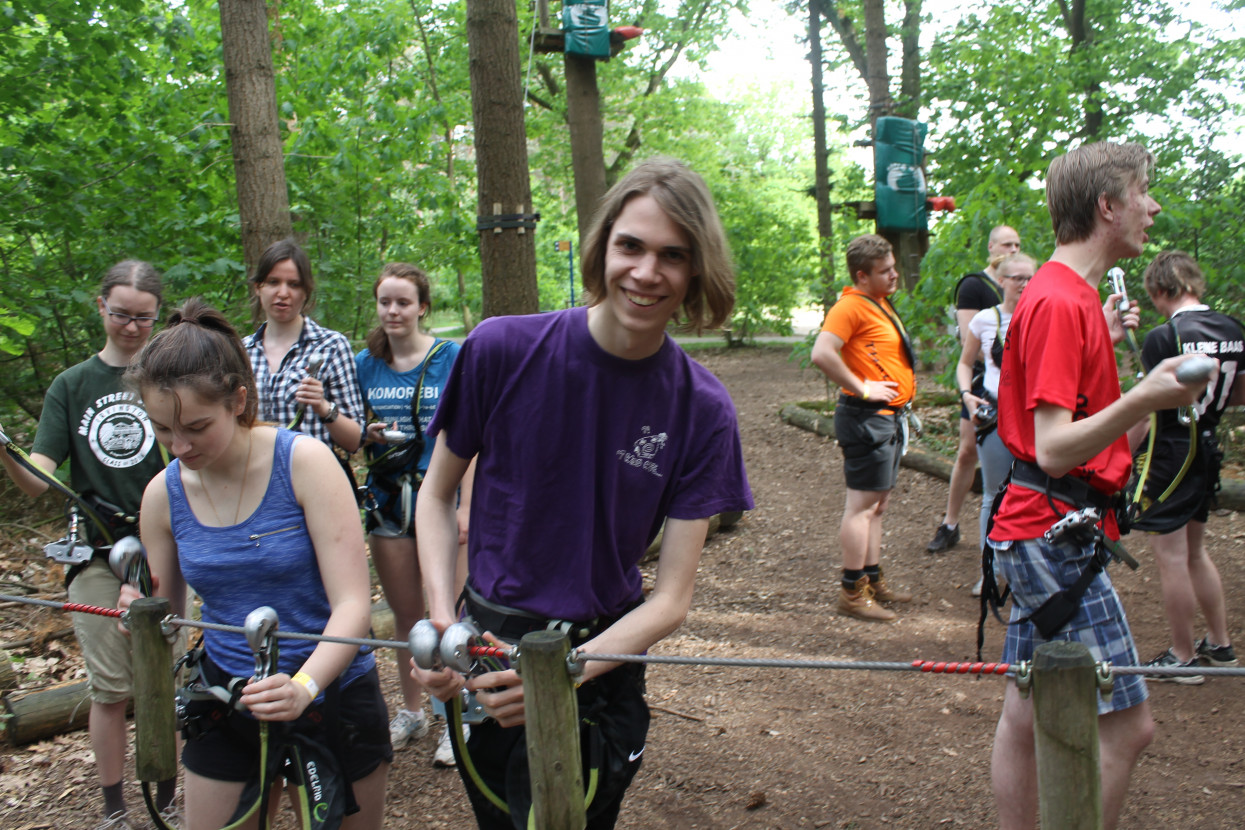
(974, 292)
(1189, 578)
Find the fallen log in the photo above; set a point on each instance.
(41, 713)
(915, 459)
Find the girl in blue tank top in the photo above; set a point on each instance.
(250, 515)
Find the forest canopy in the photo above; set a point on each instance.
(115, 143)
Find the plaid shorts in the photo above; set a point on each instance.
(1036, 569)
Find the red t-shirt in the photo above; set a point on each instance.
(1058, 352)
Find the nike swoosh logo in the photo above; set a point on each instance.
(635, 755)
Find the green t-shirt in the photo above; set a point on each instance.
(90, 418)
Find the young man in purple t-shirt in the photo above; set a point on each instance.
(592, 428)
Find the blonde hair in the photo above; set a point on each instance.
(1074, 182)
(999, 261)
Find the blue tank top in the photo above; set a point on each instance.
(268, 559)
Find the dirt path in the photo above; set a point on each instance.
(751, 748)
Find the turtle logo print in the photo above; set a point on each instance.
(117, 430)
(645, 451)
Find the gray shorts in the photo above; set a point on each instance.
(872, 445)
(105, 650)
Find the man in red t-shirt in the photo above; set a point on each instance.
(1063, 418)
(864, 348)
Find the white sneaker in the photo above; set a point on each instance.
(119, 820)
(444, 756)
(172, 814)
(981, 581)
(407, 725)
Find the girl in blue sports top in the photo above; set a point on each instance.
(402, 372)
(250, 515)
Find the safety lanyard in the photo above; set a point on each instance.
(1135, 507)
(415, 402)
(893, 316)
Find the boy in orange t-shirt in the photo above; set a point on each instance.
(864, 348)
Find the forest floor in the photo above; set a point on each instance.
(778, 748)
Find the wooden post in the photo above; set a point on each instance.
(552, 732)
(1065, 727)
(155, 721)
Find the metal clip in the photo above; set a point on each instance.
(70, 551)
(1106, 680)
(261, 628)
(1024, 677)
(1084, 519)
(170, 631)
(574, 667)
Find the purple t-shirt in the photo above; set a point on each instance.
(582, 455)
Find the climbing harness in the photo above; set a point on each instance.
(107, 521)
(395, 471)
(462, 648)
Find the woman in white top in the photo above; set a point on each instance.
(986, 334)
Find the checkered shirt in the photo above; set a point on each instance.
(276, 391)
(1035, 569)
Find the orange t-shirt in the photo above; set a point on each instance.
(872, 346)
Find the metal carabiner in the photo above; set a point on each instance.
(1024, 677)
(261, 636)
(1106, 679)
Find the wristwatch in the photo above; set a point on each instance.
(332, 415)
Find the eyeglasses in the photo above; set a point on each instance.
(125, 319)
(1020, 278)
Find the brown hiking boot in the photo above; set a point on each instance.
(885, 593)
(859, 603)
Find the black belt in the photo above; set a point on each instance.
(857, 403)
(511, 624)
(1074, 491)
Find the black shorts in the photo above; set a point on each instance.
(613, 728)
(978, 389)
(872, 444)
(359, 732)
(1191, 500)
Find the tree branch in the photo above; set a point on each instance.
(842, 24)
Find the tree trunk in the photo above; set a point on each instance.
(507, 255)
(1082, 36)
(877, 77)
(583, 116)
(910, 73)
(821, 182)
(258, 157)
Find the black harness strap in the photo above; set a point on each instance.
(893, 316)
